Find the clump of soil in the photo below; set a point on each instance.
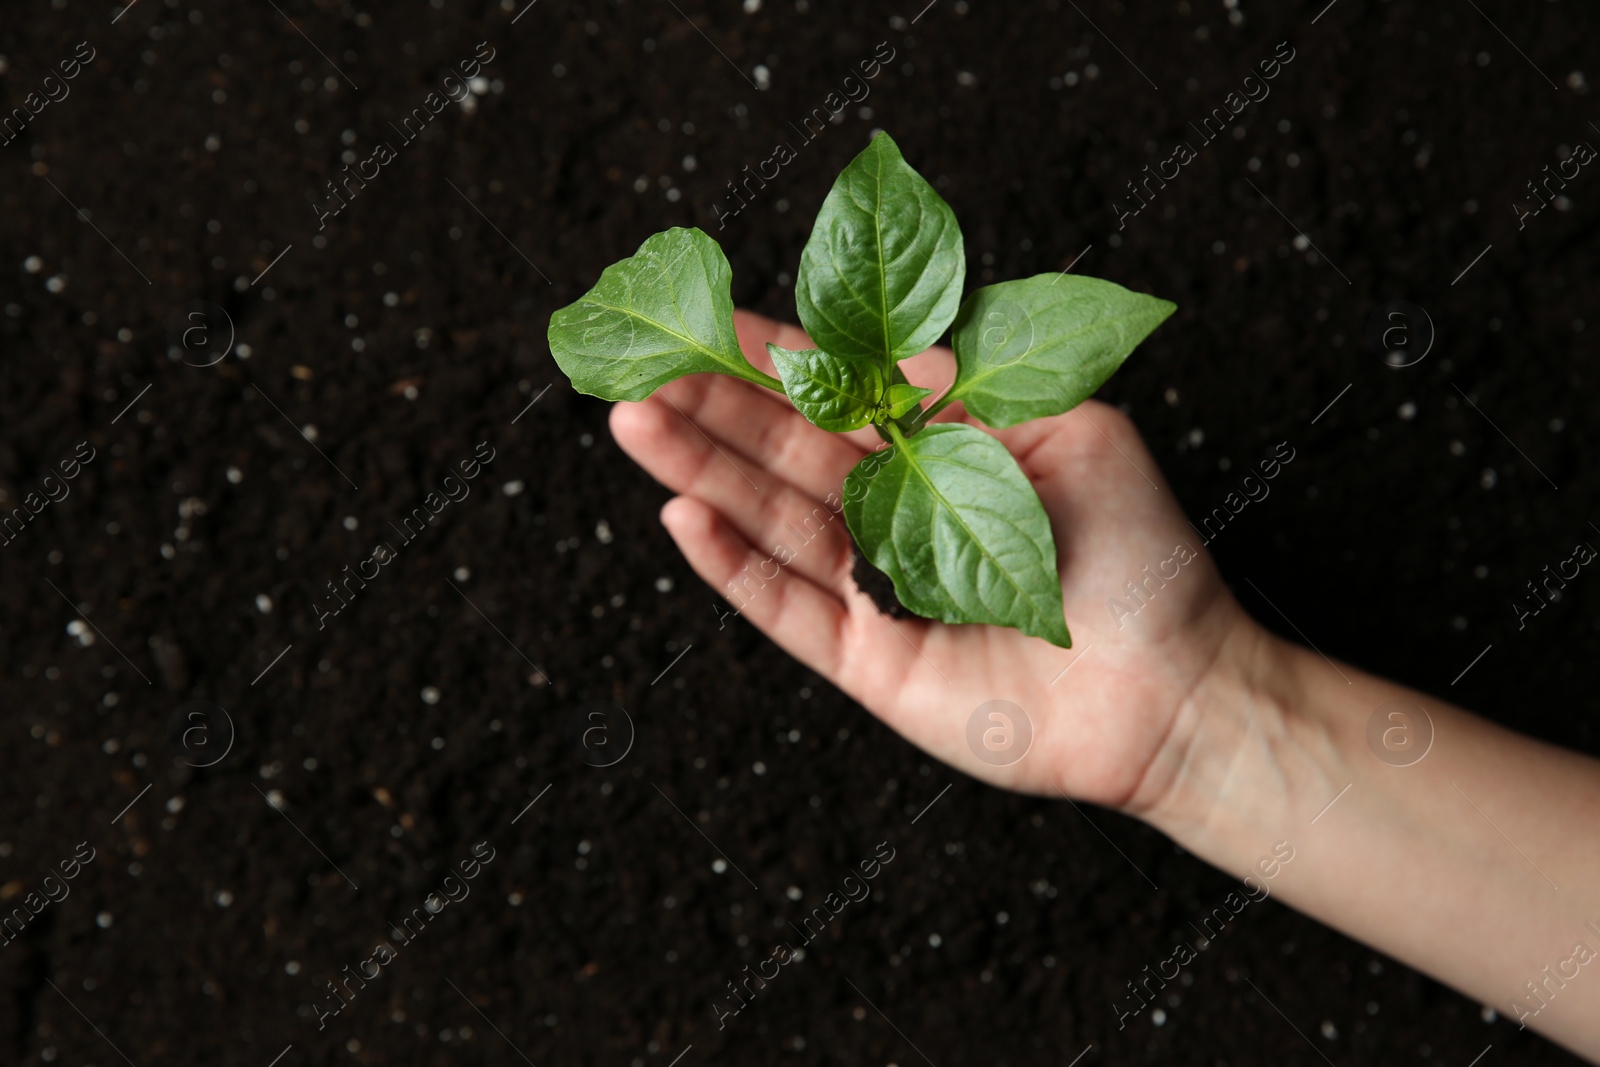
(877, 585)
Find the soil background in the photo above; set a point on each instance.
(358, 761)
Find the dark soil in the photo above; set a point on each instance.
(413, 725)
(877, 585)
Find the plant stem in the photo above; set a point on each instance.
(762, 378)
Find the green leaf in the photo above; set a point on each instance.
(834, 394)
(664, 312)
(881, 276)
(1040, 346)
(902, 398)
(952, 520)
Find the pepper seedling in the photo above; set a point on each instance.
(944, 510)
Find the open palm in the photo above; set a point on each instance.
(751, 471)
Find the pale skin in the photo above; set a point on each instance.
(1476, 864)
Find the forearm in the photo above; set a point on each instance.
(1477, 864)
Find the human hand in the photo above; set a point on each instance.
(1185, 713)
(750, 470)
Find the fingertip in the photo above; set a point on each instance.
(684, 516)
(1117, 424)
(633, 423)
(623, 415)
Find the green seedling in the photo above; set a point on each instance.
(944, 510)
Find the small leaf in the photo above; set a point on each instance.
(664, 312)
(902, 398)
(833, 393)
(1040, 346)
(881, 275)
(949, 516)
